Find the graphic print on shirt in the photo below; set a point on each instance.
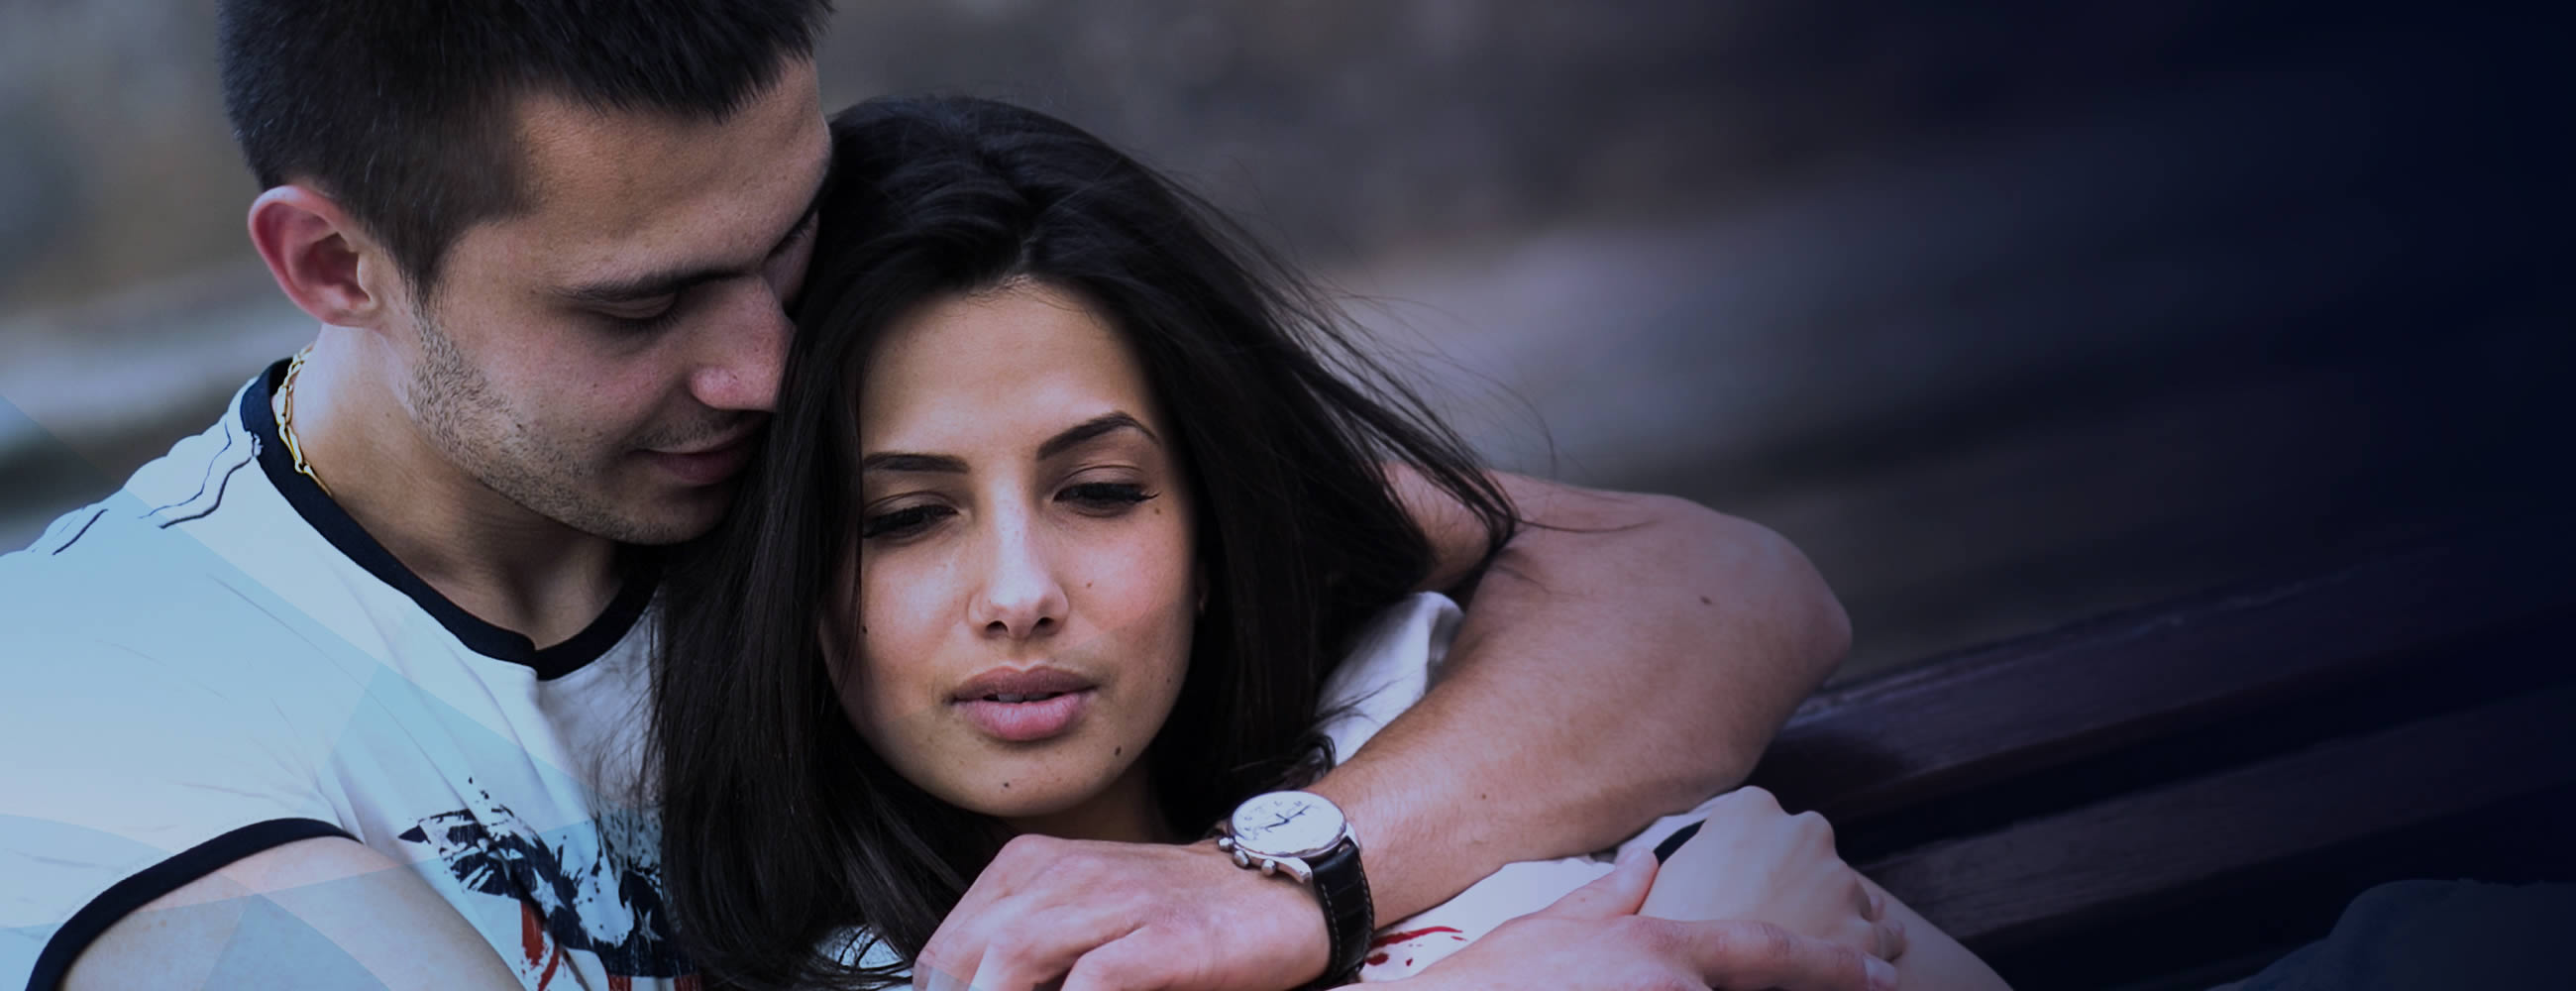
(591, 891)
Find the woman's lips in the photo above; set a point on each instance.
(1024, 705)
(1026, 722)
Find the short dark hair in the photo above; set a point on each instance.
(779, 824)
(401, 109)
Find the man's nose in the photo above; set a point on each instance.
(745, 352)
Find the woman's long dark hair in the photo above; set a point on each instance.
(780, 826)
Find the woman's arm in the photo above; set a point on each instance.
(1749, 860)
(1624, 657)
(1749, 875)
(1595, 937)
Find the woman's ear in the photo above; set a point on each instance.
(318, 256)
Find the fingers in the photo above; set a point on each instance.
(1125, 965)
(1015, 943)
(928, 977)
(1736, 953)
(1620, 892)
(1891, 925)
(1023, 953)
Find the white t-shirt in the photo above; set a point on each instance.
(217, 660)
(1390, 666)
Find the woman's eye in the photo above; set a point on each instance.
(1104, 496)
(901, 523)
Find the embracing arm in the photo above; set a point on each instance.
(316, 913)
(1625, 657)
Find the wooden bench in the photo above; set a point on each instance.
(2175, 796)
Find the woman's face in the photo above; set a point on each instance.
(1024, 586)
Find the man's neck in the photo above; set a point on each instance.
(492, 557)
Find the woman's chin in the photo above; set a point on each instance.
(1104, 801)
(1019, 802)
(1026, 790)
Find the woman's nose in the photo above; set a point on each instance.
(1020, 597)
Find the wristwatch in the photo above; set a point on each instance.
(1303, 835)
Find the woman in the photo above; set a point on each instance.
(1065, 517)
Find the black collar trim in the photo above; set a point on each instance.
(335, 525)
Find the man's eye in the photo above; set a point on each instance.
(905, 522)
(644, 316)
(1104, 496)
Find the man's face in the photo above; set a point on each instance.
(606, 358)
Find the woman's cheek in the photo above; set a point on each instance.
(894, 627)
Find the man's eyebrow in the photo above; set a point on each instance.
(905, 461)
(672, 282)
(1080, 433)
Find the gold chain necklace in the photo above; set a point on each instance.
(286, 418)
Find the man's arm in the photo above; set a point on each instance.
(1625, 657)
(318, 913)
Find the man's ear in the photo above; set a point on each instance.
(325, 264)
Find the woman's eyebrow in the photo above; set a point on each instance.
(1072, 437)
(1080, 433)
(905, 461)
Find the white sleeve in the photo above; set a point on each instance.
(129, 774)
(1388, 669)
(858, 947)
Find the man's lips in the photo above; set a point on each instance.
(706, 465)
(1022, 706)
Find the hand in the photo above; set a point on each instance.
(1593, 938)
(1108, 916)
(1751, 860)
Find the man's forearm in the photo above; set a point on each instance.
(1623, 660)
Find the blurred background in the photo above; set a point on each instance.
(2008, 314)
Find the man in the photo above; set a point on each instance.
(345, 689)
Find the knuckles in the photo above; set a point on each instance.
(1747, 940)
(1813, 828)
(1027, 850)
(1755, 798)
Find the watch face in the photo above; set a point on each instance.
(1287, 824)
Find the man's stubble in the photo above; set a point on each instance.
(468, 420)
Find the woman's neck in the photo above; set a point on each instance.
(1124, 812)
